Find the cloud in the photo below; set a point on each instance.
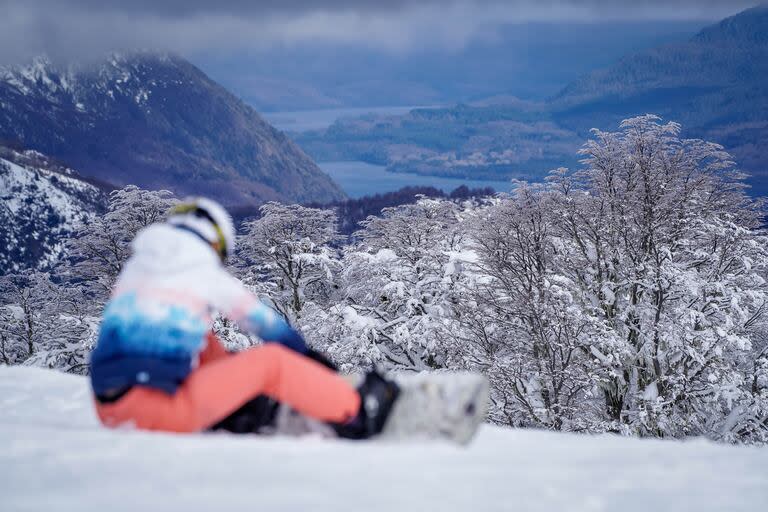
(85, 28)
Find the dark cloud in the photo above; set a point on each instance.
(80, 28)
(175, 8)
(182, 8)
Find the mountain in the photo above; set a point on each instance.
(158, 122)
(731, 53)
(715, 84)
(41, 203)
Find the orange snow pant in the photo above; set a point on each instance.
(224, 382)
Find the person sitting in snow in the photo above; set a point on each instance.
(158, 366)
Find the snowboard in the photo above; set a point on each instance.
(441, 405)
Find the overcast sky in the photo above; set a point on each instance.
(86, 28)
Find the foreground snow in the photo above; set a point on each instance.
(55, 456)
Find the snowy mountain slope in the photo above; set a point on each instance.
(731, 53)
(54, 456)
(40, 204)
(714, 84)
(156, 121)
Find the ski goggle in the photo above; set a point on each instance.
(194, 209)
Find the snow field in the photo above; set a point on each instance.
(55, 456)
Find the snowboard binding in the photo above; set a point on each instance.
(377, 397)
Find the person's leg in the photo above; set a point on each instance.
(251, 418)
(220, 387)
(262, 412)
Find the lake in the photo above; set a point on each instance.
(359, 179)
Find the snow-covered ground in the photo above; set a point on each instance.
(55, 456)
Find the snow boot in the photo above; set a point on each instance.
(377, 396)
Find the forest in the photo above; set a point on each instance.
(625, 296)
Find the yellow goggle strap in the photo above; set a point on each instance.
(194, 209)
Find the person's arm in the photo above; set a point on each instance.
(263, 321)
(241, 306)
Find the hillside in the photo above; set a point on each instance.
(714, 84)
(55, 456)
(731, 53)
(41, 203)
(158, 122)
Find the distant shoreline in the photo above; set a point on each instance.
(359, 179)
(299, 121)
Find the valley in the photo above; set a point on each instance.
(712, 83)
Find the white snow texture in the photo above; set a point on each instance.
(55, 456)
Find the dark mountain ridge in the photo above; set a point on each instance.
(158, 122)
(715, 85)
(733, 52)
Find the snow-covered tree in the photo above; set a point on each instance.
(628, 296)
(520, 321)
(287, 255)
(663, 244)
(100, 248)
(397, 288)
(748, 420)
(43, 324)
(28, 320)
